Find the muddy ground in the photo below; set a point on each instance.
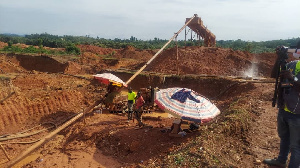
(39, 93)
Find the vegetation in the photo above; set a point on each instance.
(69, 43)
(72, 49)
(214, 146)
(256, 47)
(39, 50)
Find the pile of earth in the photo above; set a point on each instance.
(2, 44)
(212, 61)
(190, 60)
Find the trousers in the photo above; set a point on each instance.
(288, 127)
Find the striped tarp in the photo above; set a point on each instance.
(198, 111)
(106, 78)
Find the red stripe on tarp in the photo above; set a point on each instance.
(159, 105)
(108, 77)
(203, 114)
(176, 105)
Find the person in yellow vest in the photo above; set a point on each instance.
(288, 118)
(131, 101)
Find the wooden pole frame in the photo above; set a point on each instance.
(177, 56)
(52, 134)
(175, 35)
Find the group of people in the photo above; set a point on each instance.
(135, 102)
(139, 101)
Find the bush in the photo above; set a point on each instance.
(72, 49)
(13, 49)
(31, 49)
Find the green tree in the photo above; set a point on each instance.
(72, 49)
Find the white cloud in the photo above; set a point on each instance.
(145, 19)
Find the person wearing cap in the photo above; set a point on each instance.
(131, 101)
(288, 118)
(139, 104)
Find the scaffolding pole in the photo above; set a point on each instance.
(79, 115)
(175, 35)
(177, 57)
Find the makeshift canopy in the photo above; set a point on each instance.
(106, 78)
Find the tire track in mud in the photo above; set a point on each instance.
(17, 112)
(10, 115)
(4, 119)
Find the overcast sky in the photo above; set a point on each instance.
(249, 20)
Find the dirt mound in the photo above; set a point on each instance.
(2, 44)
(191, 60)
(211, 61)
(10, 64)
(73, 68)
(96, 50)
(132, 53)
(101, 58)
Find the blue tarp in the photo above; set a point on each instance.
(182, 95)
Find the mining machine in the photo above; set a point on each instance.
(196, 25)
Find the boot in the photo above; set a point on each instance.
(274, 162)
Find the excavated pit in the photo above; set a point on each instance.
(41, 63)
(40, 94)
(56, 101)
(41, 97)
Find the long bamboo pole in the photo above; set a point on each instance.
(175, 35)
(177, 59)
(4, 152)
(50, 136)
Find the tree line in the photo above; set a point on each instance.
(69, 42)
